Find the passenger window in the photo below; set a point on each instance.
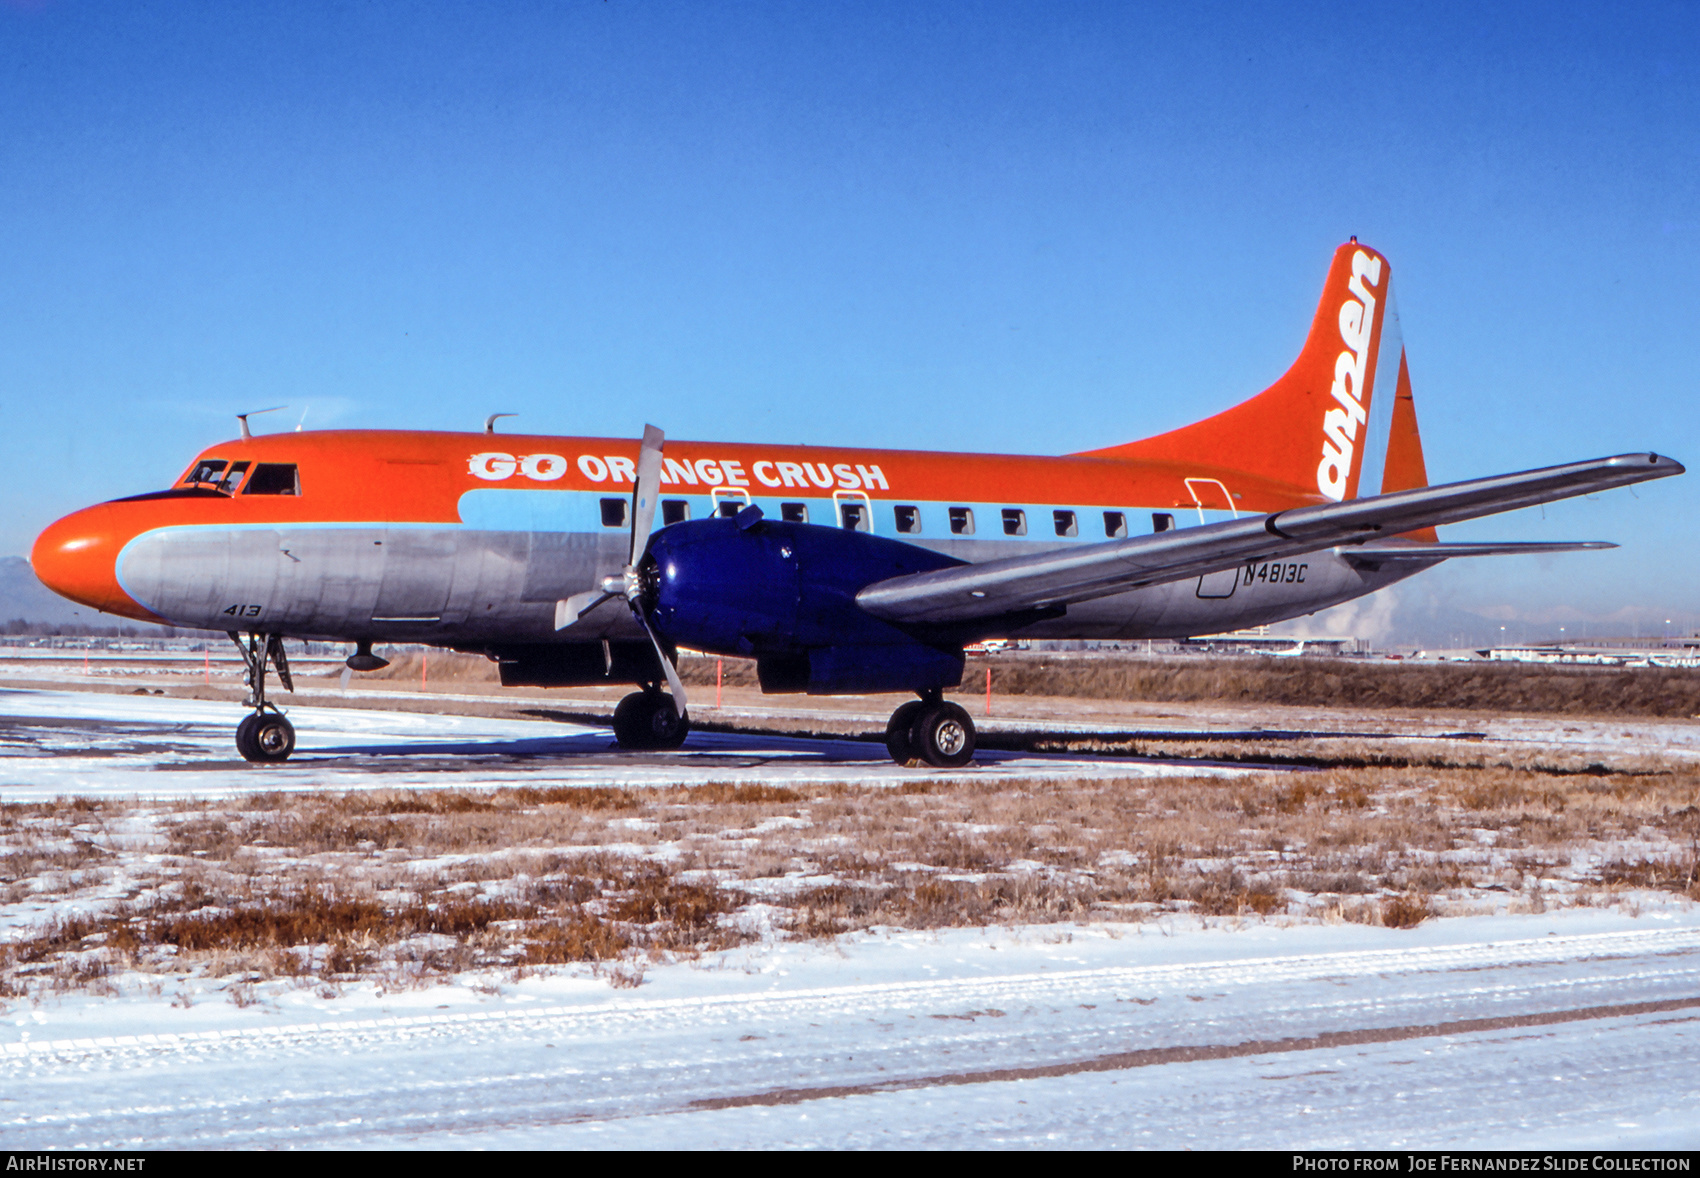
(675, 511)
(273, 478)
(854, 517)
(729, 508)
(962, 521)
(1115, 525)
(908, 518)
(206, 472)
(1014, 521)
(1065, 522)
(1162, 521)
(613, 513)
(232, 480)
(794, 513)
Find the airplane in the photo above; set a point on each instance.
(576, 561)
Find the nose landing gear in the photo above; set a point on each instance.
(930, 731)
(265, 734)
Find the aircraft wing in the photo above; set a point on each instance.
(1080, 573)
(1381, 553)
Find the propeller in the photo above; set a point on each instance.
(628, 584)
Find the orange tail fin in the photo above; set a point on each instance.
(1340, 423)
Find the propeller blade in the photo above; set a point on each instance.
(347, 674)
(571, 609)
(673, 684)
(644, 490)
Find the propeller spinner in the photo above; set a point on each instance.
(628, 584)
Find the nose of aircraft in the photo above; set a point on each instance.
(77, 558)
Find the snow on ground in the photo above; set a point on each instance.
(1670, 738)
(1579, 1029)
(62, 743)
(1576, 1028)
(55, 744)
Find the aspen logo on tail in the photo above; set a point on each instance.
(1351, 379)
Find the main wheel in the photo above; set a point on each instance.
(272, 738)
(897, 741)
(245, 737)
(667, 729)
(943, 735)
(649, 720)
(631, 720)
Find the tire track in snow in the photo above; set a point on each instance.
(1151, 1057)
(468, 1075)
(882, 998)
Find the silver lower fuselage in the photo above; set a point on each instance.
(467, 586)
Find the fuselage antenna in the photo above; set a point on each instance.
(490, 421)
(242, 418)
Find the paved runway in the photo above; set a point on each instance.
(55, 743)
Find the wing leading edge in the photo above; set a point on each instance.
(1058, 578)
(1380, 553)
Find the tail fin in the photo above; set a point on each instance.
(1340, 423)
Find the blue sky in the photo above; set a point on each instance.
(998, 227)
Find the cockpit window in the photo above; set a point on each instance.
(206, 471)
(273, 478)
(233, 478)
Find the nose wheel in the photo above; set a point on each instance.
(930, 731)
(265, 734)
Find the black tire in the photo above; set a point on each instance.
(648, 720)
(943, 735)
(897, 741)
(245, 738)
(667, 729)
(272, 738)
(631, 720)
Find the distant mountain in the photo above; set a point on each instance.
(23, 598)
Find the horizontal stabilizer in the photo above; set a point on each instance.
(1057, 578)
(1381, 553)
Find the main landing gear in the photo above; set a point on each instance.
(264, 734)
(930, 731)
(649, 720)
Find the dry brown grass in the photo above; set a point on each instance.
(1315, 682)
(1361, 684)
(412, 885)
(1333, 682)
(1406, 911)
(436, 666)
(1305, 682)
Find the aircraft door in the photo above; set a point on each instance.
(419, 567)
(1212, 494)
(1219, 585)
(418, 558)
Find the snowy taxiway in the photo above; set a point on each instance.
(1546, 1031)
(63, 743)
(99, 744)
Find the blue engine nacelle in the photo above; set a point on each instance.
(785, 594)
